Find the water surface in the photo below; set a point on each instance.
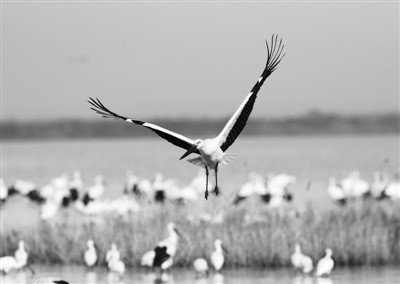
(79, 275)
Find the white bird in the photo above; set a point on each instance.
(3, 190)
(90, 256)
(281, 180)
(296, 257)
(97, 190)
(247, 189)
(146, 187)
(325, 264)
(278, 185)
(21, 257)
(300, 261)
(165, 250)
(131, 183)
(148, 259)
(392, 190)
(117, 267)
(75, 185)
(200, 266)
(336, 192)
(187, 194)
(8, 263)
(211, 151)
(217, 256)
(379, 184)
(113, 253)
(61, 182)
(20, 254)
(354, 186)
(23, 187)
(307, 264)
(114, 262)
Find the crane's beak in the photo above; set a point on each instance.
(190, 151)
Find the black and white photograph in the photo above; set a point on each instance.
(199, 142)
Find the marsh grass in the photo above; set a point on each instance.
(363, 233)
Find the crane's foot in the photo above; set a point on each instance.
(206, 194)
(216, 190)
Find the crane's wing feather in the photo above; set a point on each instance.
(172, 137)
(238, 121)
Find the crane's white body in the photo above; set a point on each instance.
(21, 254)
(393, 190)
(97, 190)
(3, 190)
(217, 256)
(113, 253)
(148, 258)
(335, 191)
(200, 266)
(325, 265)
(171, 243)
(114, 262)
(8, 263)
(90, 256)
(300, 261)
(354, 186)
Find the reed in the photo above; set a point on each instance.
(362, 233)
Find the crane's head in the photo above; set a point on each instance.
(171, 226)
(297, 248)
(198, 143)
(328, 252)
(219, 247)
(90, 243)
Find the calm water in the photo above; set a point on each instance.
(312, 159)
(78, 275)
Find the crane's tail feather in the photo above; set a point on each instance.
(228, 157)
(196, 161)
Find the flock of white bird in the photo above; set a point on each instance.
(354, 187)
(272, 189)
(161, 258)
(63, 192)
(304, 263)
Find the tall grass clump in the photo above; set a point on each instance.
(362, 233)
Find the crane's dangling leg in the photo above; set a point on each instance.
(216, 180)
(206, 194)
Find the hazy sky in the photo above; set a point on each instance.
(194, 59)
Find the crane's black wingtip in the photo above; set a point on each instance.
(275, 53)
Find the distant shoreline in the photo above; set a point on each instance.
(314, 123)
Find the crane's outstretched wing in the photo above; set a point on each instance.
(239, 119)
(172, 137)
